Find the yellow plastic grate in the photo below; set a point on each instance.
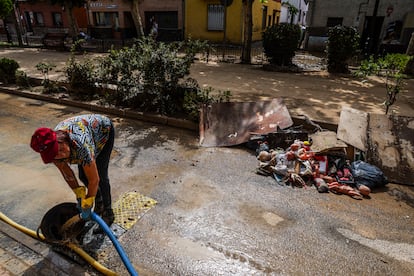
(130, 207)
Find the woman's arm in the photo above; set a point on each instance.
(91, 172)
(67, 173)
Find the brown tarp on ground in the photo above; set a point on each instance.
(233, 123)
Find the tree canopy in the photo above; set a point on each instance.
(6, 7)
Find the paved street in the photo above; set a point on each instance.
(215, 215)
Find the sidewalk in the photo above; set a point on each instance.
(316, 94)
(21, 254)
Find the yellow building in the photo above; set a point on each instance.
(207, 19)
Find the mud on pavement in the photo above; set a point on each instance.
(214, 214)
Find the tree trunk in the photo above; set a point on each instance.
(17, 25)
(137, 17)
(247, 35)
(72, 22)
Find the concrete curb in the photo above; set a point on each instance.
(126, 113)
(152, 118)
(24, 255)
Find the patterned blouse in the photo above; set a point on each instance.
(88, 135)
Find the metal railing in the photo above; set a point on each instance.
(217, 52)
(233, 53)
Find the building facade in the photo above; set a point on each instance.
(104, 19)
(169, 16)
(110, 19)
(379, 22)
(36, 17)
(115, 19)
(212, 20)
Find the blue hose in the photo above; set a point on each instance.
(118, 247)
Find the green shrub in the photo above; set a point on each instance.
(8, 68)
(391, 69)
(48, 85)
(343, 44)
(280, 43)
(195, 98)
(22, 80)
(120, 70)
(77, 46)
(81, 78)
(150, 75)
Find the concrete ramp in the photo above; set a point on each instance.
(391, 146)
(387, 140)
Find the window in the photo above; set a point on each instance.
(38, 19)
(264, 16)
(57, 19)
(165, 19)
(33, 19)
(334, 21)
(106, 19)
(215, 17)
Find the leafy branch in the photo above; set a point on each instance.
(391, 69)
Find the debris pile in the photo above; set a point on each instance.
(304, 163)
(296, 156)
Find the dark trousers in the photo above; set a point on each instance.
(102, 161)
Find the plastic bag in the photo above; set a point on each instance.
(368, 175)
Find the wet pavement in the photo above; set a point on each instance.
(215, 215)
(23, 255)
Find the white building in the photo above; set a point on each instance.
(300, 17)
(375, 20)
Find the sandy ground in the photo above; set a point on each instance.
(318, 95)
